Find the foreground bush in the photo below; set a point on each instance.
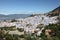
(55, 34)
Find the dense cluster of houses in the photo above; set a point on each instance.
(29, 24)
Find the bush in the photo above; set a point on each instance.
(55, 34)
(20, 29)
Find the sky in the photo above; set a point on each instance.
(27, 6)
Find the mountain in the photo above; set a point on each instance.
(54, 12)
(1, 15)
(13, 16)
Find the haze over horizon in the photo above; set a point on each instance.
(27, 6)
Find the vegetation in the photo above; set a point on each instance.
(55, 34)
(30, 37)
(6, 36)
(39, 26)
(20, 29)
(8, 28)
(58, 17)
(13, 20)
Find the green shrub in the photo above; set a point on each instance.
(20, 29)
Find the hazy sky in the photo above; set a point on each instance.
(27, 6)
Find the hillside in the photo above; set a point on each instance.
(54, 12)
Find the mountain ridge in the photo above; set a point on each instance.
(55, 12)
(13, 16)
